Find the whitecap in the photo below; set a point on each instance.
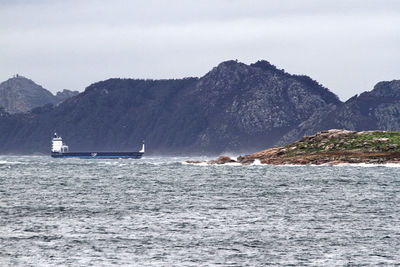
(5, 162)
(257, 162)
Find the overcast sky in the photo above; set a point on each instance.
(346, 45)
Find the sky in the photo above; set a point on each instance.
(346, 45)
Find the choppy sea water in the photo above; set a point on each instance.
(162, 212)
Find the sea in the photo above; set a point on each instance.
(161, 211)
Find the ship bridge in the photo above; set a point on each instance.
(57, 145)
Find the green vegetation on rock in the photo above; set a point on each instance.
(340, 140)
(330, 147)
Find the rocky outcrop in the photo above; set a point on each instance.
(220, 160)
(65, 94)
(330, 147)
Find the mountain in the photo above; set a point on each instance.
(19, 94)
(233, 108)
(245, 107)
(378, 109)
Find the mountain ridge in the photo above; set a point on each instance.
(234, 107)
(378, 109)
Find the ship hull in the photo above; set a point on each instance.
(98, 155)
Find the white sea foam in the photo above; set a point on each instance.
(230, 164)
(201, 164)
(5, 162)
(205, 163)
(257, 162)
(367, 165)
(392, 165)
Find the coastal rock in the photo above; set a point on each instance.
(222, 160)
(333, 147)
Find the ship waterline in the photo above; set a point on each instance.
(61, 150)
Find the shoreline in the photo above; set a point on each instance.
(258, 163)
(330, 147)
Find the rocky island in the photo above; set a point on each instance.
(329, 147)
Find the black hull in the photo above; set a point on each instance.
(98, 155)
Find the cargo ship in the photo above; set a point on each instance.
(61, 150)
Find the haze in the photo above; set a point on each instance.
(348, 46)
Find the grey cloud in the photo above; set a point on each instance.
(346, 45)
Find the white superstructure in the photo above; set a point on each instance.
(142, 150)
(57, 145)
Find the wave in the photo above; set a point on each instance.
(258, 163)
(369, 165)
(5, 162)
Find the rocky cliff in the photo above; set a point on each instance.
(378, 109)
(243, 107)
(65, 94)
(19, 94)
